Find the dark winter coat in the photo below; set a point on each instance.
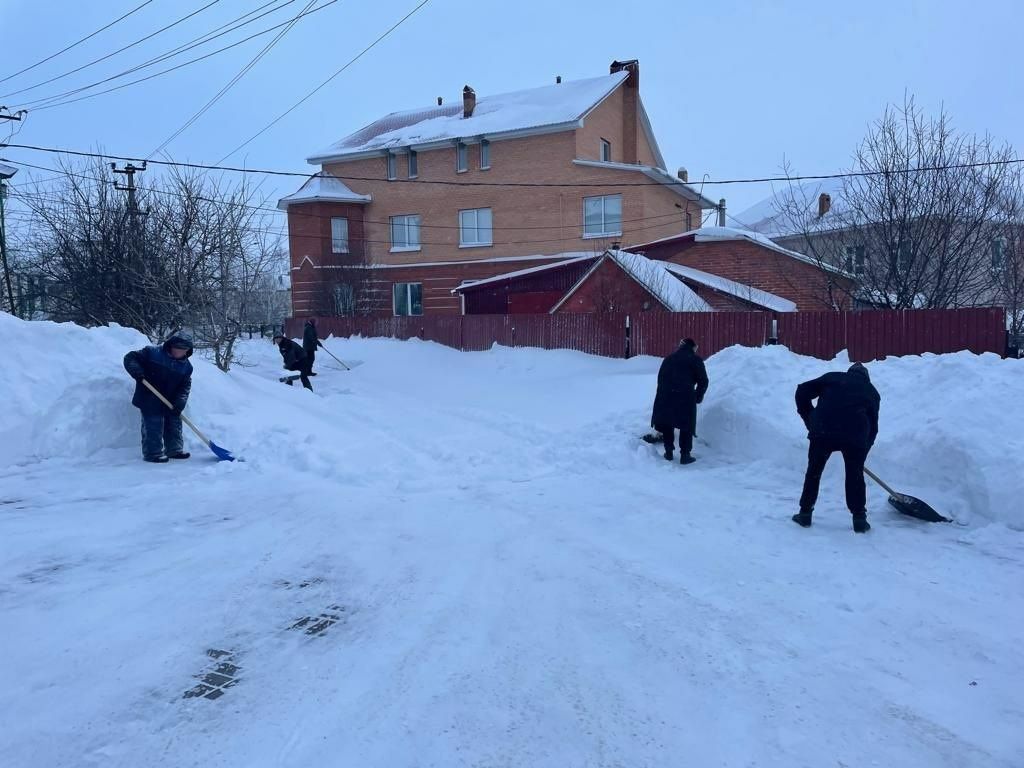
(310, 341)
(293, 354)
(682, 382)
(847, 410)
(172, 378)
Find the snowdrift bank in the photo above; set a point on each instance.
(951, 432)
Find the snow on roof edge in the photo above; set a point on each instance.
(734, 288)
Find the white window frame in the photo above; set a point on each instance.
(392, 166)
(606, 151)
(485, 155)
(408, 299)
(851, 263)
(605, 232)
(404, 221)
(339, 243)
(461, 157)
(475, 228)
(414, 164)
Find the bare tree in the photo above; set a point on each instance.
(915, 226)
(1007, 253)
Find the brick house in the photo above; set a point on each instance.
(758, 269)
(411, 206)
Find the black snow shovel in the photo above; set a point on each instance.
(908, 505)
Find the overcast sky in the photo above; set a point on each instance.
(732, 88)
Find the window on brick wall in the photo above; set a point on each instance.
(854, 261)
(461, 157)
(485, 154)
(408, 299)
(344, 299)
(414, 164)
(602, 216)
(405, 233)
(475, 227)
(606, 151)
(339, 235)
(392, 166)
(997, 254)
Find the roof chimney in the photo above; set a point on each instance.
(468, 101)
(683, 174)
(558, 80)
(440, 101)
(824, 204)
(721, 212)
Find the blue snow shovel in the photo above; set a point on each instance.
(221, 453)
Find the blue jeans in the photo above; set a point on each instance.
(161, 434)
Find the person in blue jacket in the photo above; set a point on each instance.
(168, 369)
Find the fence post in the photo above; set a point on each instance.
(773, 337)
(629, 337)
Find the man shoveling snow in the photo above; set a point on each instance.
(168, 369)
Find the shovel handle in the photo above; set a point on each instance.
(879, 480)
(184, 418)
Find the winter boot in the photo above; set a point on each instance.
(668, 456)
(802, 519)
(179, 455)
(860, 523)
(156, 459)
(686, 459)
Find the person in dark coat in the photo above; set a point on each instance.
(310, 342)
(845, 420)
(295, 359)
(168, 369)
(682, 382)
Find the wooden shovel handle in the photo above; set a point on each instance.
(879, 480)
(184, 418)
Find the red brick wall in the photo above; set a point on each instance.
(804, 284)
(610, 289)
(309, 246)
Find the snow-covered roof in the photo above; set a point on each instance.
(6, 171)
(551, 107)
(740, 290)
(469, 284)
(726, 234)
(652, 275)
(322, 187)
(773, 217)
(657, 174)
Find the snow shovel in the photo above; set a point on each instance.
(325, 349)
(221, 453)
(908, 505)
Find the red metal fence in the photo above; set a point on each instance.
(868, 335)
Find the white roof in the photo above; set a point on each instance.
(553, 107)
(653, 275)
(323, 187)
(725, 234)
(529, 271)
(733, 288)
(771, 216)
(7, 170)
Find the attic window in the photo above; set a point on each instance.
(606, 151)
(485, 154)
(414, 166)
(461, 157)
(392, 166)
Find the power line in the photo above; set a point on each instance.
(174, 68)
(305, 98)
(241, 73)
(109, 55)
(528, 184)
(77, 42)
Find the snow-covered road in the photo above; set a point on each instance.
(504, 575)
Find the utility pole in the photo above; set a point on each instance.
(6, 172)
(134, 273)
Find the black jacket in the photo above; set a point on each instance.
(310, 341)
(847, 409)
(293, 354)
(172, 378)
(682, 382)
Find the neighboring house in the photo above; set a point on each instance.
(740, 269)
(616, 281)
(419, 202)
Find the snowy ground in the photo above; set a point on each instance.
(503, 574)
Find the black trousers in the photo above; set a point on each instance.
(304, 369)
(668, 434)
(818, 454)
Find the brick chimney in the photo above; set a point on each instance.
(630, 108)
(824, 204)
(468, 101)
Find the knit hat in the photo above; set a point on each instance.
(859, 369)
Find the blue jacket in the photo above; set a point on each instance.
(172, 378)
